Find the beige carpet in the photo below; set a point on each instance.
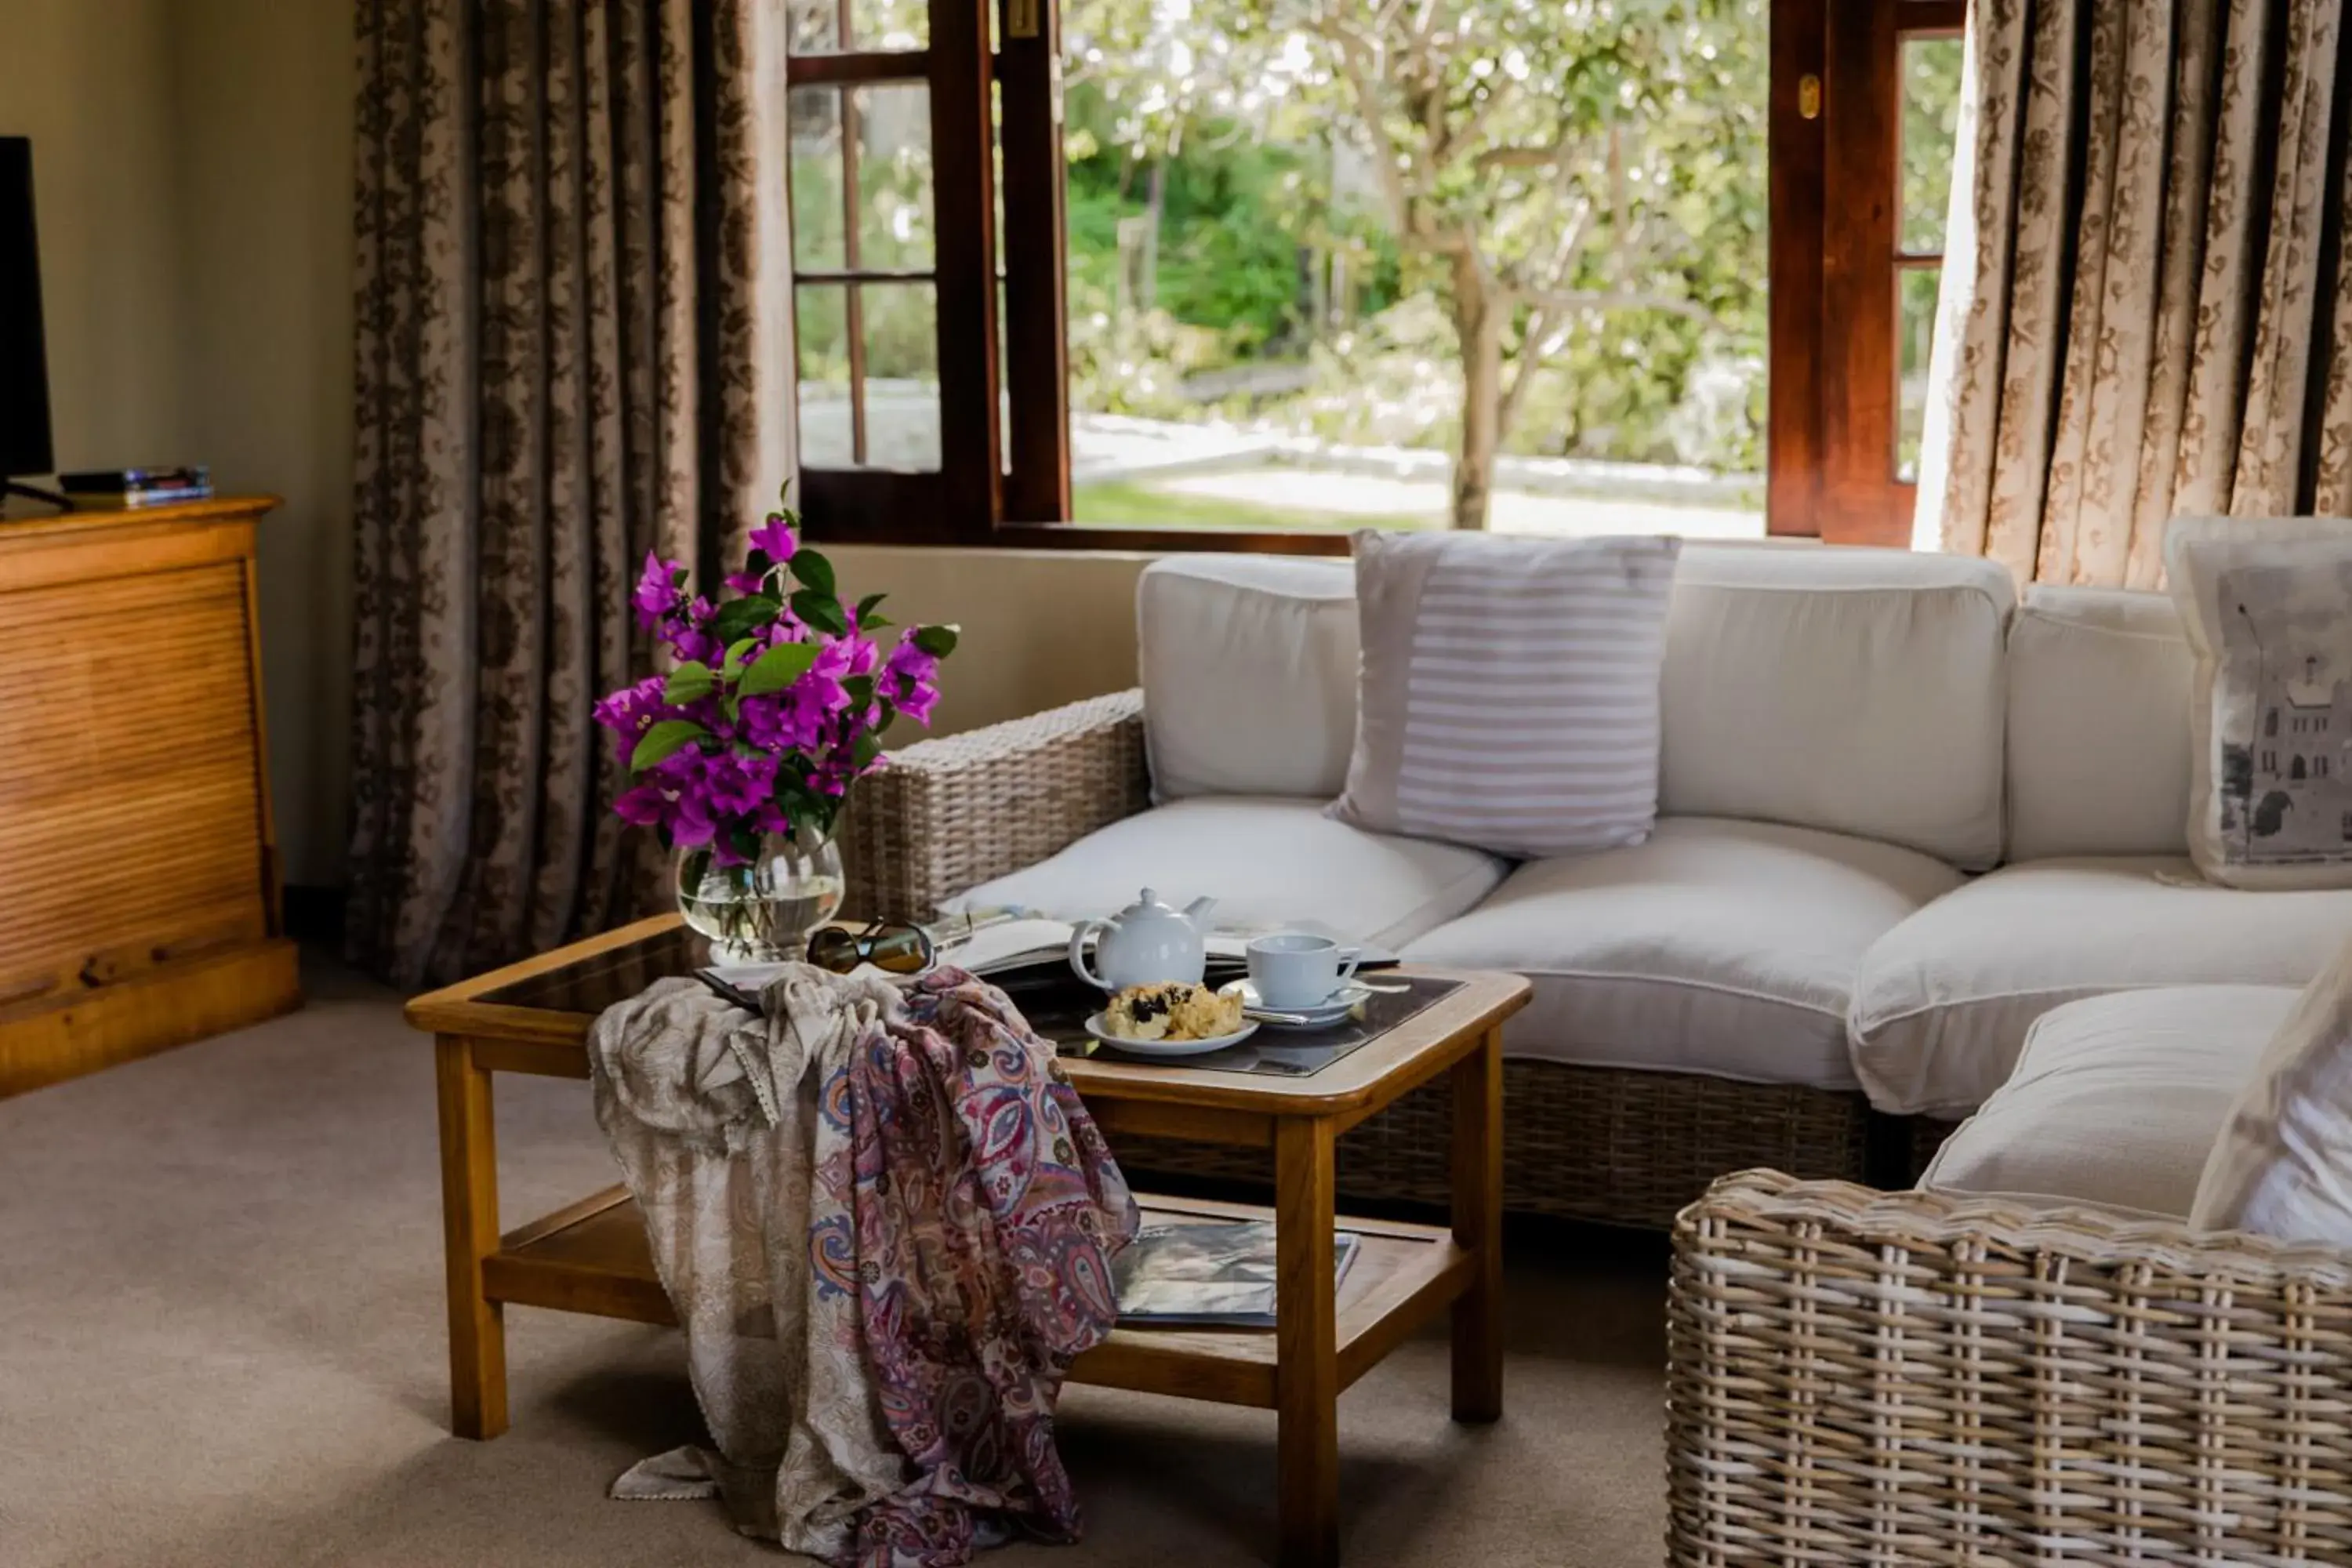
(221, 1344)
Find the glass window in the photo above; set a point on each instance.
(1261, 337)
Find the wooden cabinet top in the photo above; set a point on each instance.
(88, 546)
(49, 526)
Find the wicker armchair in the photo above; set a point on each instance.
(1580, 1142)
(1860, 1376)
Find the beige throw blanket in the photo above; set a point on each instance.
(713, 1115)
(887, 1224)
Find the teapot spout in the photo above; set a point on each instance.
(1197, 912)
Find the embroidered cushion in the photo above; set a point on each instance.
(2267, 603)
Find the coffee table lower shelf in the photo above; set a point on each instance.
(593, 1257)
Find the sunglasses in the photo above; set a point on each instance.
(895, 947)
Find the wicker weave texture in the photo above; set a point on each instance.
(944, 816)
(1870, 1377)
(1579, 1142)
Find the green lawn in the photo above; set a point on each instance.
(1119, 503)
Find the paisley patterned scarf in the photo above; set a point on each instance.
(887, 1224)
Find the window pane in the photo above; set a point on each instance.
(894, 178)
(820, 337)
(874, 26)
(902, 375)
(1931, 119)
(1251, 343)
(816, 174)
(1915, 329)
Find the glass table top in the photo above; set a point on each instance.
(1055, 1003)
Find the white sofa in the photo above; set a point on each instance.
(1902, 816)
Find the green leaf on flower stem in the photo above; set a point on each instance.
(689, 682)
(737, 652)
(814, 571)
(860, 688)
(738, 618)
(866, 610)
(777, 669)
(665, 739)
(822, 611)
(937, 641)
(866, 747)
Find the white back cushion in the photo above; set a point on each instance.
(1854, 690)
(1249, 674)
(2099, 686)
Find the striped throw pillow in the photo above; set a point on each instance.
(1508, 693)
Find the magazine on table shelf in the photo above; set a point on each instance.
(1217, 1275)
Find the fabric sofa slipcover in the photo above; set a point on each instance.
(1852, 739)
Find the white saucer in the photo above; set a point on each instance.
(1167, 1049)
(1332, 1009)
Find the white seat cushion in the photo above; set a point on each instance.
(1267, 862)
(2116, 1100)
(1946, 998)
(1718, 947)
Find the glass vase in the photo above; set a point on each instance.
(761, 911)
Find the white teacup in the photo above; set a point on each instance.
(1299, 969)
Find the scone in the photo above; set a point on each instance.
(1171, 1010)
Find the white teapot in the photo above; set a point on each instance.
(1144, 944)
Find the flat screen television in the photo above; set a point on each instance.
(23, 360)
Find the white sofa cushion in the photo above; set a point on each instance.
(1268, 863)
(1718, 947)
(2283, 1164)
(2116, 1100)
(1858, 691)
(1945, 999)
(1248, 665)
(2099, 684)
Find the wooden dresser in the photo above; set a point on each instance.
(139, 881)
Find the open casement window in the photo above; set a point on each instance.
(1865, 112)
(894, 314)
(933, 261)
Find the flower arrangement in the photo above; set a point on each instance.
(774, 706)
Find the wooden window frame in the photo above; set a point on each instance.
(1835, 407)
(958, 502)
(1004, 473)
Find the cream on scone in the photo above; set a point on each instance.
(1171, 1010)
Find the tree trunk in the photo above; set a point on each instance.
(1479, 325)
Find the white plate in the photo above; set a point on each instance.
(1333, 1009)
(1167, 1047)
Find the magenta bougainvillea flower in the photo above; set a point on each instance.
(776, 703)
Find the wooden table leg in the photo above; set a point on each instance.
(1478, 1225)
(469, 1223)
(1307, 1371)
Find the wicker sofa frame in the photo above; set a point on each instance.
(1859, 1376)
(1584, 1143)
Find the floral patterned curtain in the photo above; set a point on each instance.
(2148, 304)
(572, 349)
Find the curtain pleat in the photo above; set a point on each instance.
(529, 405)
(2136, 298)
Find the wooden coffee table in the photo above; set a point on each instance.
(593, 1257)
